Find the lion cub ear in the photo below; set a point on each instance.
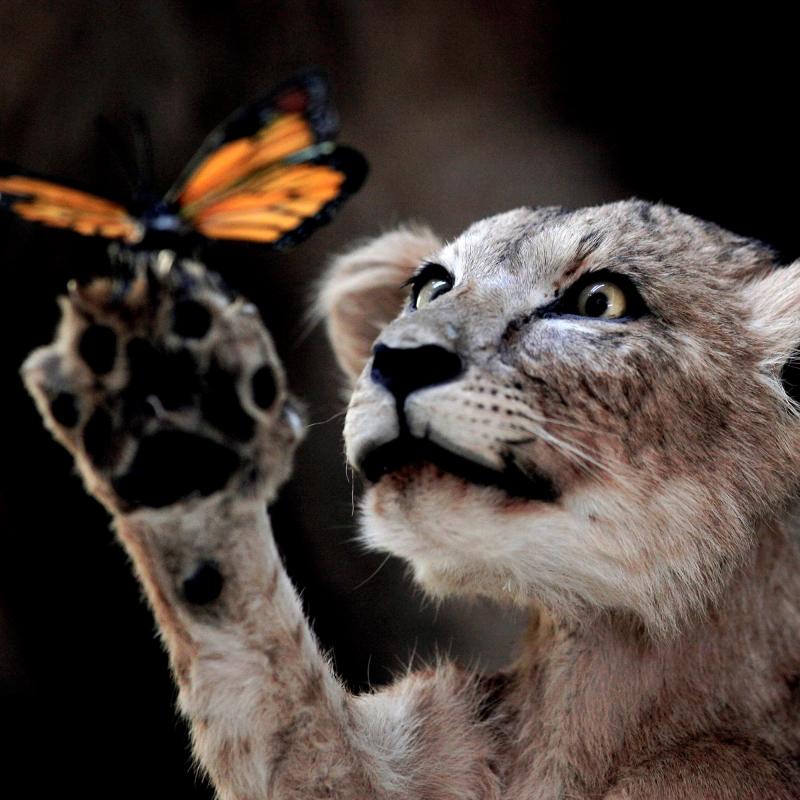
(774, 305)
(364, 290)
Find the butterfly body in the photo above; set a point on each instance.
(163, 227)
(163, 219)
(271, 173)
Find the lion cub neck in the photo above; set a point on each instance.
(599, 693)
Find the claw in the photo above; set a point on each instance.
(163, 262)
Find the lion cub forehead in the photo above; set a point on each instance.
(544, 243)
(535, 242)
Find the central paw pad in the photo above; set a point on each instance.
(171, 465)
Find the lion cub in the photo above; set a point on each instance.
(588, 413)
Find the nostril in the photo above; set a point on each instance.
(405, 370)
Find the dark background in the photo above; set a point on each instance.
(464, 109)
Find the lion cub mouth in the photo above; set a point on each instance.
(407, 452)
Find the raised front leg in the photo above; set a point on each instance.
(169, 394)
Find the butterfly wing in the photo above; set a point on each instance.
(40, 200)
(271, 173)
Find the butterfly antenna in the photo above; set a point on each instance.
(144, 154)
(119, 150)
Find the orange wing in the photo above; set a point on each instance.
(272, 172)
(268, 203)
(62, 207)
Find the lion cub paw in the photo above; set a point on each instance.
(165, 388)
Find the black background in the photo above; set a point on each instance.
(464, 109)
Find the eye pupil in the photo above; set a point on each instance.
(437, 287)
(596, 304)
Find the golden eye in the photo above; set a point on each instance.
(430, 290)
(602, 299)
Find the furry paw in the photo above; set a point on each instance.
(165, 388)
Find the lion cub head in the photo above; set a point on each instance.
(588, 409)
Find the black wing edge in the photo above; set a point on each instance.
(249, 118)
(356, 168)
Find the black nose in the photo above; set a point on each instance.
(404, 370)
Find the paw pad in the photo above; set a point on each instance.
(221, 406)
(64, 409)
(172, 465)
(97, 441)
(204, 585)
(190, 319)
(98, 348)
(264, 387)
(167, 377)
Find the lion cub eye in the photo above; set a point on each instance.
(430, 291)
(428, 284)
(602, 294)
(602, 299)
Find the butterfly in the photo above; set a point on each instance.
(270, 173)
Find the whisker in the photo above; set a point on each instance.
(533, 417)
(573, 449)
(574, 452)
(609, 461)
(348, 471)
(326, 421)
(374, 573)
(583, 428)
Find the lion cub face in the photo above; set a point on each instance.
(583, 408)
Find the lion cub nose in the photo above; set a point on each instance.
(404, 370)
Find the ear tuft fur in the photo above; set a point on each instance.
(773, 302)
(363, 291)
(774, 305)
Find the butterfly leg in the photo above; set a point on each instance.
(169, 394)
